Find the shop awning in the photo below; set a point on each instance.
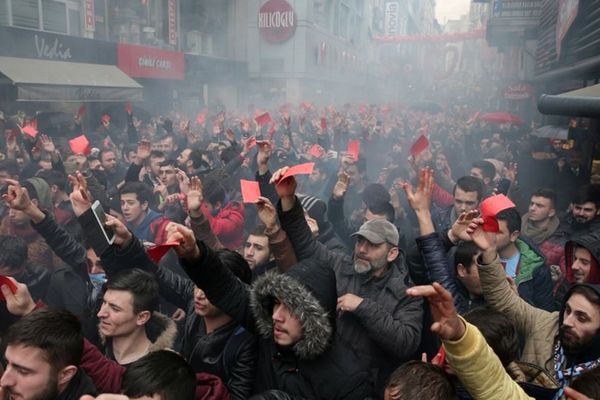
(41, 80)
(584, 102)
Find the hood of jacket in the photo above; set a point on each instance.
(309, 290)
(590, 241)
(43, 193)
(143, 231)
(530, 260)
(160, 330)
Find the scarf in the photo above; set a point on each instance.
(539, 235)
(566, 376)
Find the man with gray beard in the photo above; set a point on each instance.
(376, 318)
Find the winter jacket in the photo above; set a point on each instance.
(153, 228)
(228, 224)
(590, 241)
(38, 251)
(533, 280)
(538, 327)
(229, 352)
(444, 218)
(108, 375)
(341, 226)
(78, 386)
(315, 367)
(385, 329)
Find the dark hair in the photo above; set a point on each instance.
(197, 160)
(214, 192)
(157, 154)
(259, 230)
(169, 162)
(512, 218)
(10, 166)
(142, 286)
(103, 152)
(420, 380)
(383, 208)
(547, 194)
(13, 252)
(499, 332)
(590, 294)
(465, 251)
(588, 193)
(235, 262)
(161, 372)
(55, 331)
(53, 177)
(487, 168)
(588, 383)
(375, 193)
(143, 191)
(469, 184)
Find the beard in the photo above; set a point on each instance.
(362, 266)
(569, 340)
(49, 392)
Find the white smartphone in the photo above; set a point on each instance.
(98, 211)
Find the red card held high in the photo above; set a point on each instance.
(316, 151)
(250, 191)
(490, 207)
(80, 145)
(263, 119)
(30, 130)
(421, 144)
(354, 149)
(200, 118)
(158, 252)
(300, 169)
(5, 281)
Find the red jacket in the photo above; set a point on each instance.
(107, 375)
(228, 224)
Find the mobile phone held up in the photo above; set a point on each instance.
(98, 212)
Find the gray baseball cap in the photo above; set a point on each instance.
(378, 231)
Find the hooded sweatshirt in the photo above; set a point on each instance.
(591, 241)
(151, 229)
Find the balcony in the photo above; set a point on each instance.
(511, 22)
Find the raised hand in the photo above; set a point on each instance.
(183, 180)
(122, 235)
(80, 196)
(144, 149)
(20, 302)
(267, 214)
(339, 190)
(486, 241)
(284, 187)
(194, 197)
(16, 197)
(420, 200)
(446, 322)
(47, 144)
(187, 248)
(459, 228)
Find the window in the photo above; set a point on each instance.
(4, 12)
(26, 14)
(54, 16)
(74, 23)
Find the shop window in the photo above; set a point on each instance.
(26, 13)
(54, 16)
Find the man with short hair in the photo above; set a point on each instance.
(113, 172)
(418, 380)
(226, 217)
(485, 171)
(145, 223)
(467, 193)
(257, 252)
(585, 211)
(43, 352)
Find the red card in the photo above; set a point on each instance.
(316, 151)
(250, 191)
(263, 119)
(200, 118)
(490, 207)
(251, 142)
(30, 130)
(81, 112)
(300, 169)
(128, 108)
(5, 281)
(324, 123)
(158, 252)
(354, 149)
(80, 145)
(421, 144)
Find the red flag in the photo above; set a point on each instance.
(263, 119)
(420, 145)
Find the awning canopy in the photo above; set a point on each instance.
(41, 80)
(584, 102)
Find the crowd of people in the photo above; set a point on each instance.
(376, 273)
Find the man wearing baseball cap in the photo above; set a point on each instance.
(376, 318)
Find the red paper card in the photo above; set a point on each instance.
(251, 142)
(158, 252)
(80, 145)
(30, 130)
(354, 149)
(250, 191)
(324, 123)
(128, 108)
(5, 281)
(200, 118)
(316, 151)
(81, 112)
(421, 144)
(300, 169)
(263, 119)
(490, 207)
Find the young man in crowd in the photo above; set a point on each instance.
(467, 194)
(585, 211)
(146, 224)
(485, 171)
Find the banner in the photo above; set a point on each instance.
(149, 62)
(392, 19)
(172, 21)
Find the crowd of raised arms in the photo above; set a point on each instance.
(300, 252)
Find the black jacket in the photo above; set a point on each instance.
(228, 352)
(317, 366)
(386, 328)
(79, 385)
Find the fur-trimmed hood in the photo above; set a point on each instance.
(161, 331)
(309, 291)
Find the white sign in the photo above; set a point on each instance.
(392, 18)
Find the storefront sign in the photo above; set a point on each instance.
(276, 21)
(172, 19)
(89, 20)
(148, 62)
(392, 19)
(517, 8)
(518, 91)
(567, 12)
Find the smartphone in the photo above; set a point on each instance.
(98, 211)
